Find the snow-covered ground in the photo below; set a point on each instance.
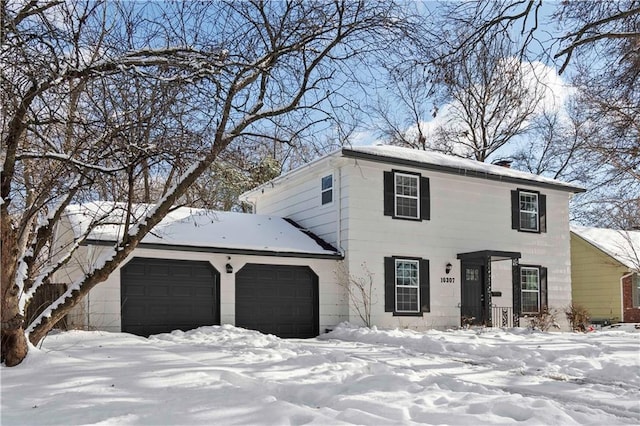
(227, 375)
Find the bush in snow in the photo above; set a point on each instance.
(578, 317)
(544, 321)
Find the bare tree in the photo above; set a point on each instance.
(596, 47)
(99, 97)
(359, 289)
(492, 98)
(468, 100)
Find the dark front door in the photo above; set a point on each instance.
(472, 308)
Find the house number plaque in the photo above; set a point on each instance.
(449, 280)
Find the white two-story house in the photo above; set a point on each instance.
(442, 241)
(446, 241)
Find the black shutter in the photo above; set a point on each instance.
(425, 297)
(544, 300)
(389, 284)
(517, 305)
(542, 207)
(425, 199)
(389, 194)
(515, 210)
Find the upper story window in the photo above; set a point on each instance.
(327, 189)
(406, 195)
(528, 211)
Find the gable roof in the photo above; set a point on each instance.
(623, 246)
(436, 161)
(191, 229)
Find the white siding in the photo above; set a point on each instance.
(100, 310)
(299, 197)
(467, 214)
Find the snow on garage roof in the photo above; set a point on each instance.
(451, 164)
(624, 246)
(194, 229)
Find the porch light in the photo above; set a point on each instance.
(229, 268)
(448, 267)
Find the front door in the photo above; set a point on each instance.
(472, 306)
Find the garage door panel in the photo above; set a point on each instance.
(181, 271)
(158, 271)
(157, 290)
(286, 275)
(203, 292)
(277, 299)
(172, 300)
(136, 270)
(134, 290)
(181, 291)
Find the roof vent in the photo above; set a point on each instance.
(503, 163)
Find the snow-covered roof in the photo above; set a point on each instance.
(624, 246)
(199, 228)
(450, 164)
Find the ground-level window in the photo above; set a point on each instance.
(327, 189)
(406, 287)
(635, 283)
(530, 290)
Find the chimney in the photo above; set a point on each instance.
(503, 163)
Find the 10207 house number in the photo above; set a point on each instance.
(449, 280)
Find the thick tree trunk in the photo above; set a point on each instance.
(14, 341)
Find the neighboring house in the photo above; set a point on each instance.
(445, 240)
(200, 267)
(605, 267)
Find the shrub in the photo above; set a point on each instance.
(578, 317)
(544, 320)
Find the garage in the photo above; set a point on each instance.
(161, 295)
(278, 299)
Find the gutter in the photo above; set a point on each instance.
(224, 250)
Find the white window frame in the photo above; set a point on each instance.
(522, 291)
(536, 212)
(416, 286)
(326, 190)
(396, 196)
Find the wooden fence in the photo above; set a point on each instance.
(44, 296)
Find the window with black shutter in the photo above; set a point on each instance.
(532, 289)
(406, 195)
(528, 211)
(406, 285)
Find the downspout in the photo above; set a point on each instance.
(90, 253)
(338, 174)
(622, 278)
